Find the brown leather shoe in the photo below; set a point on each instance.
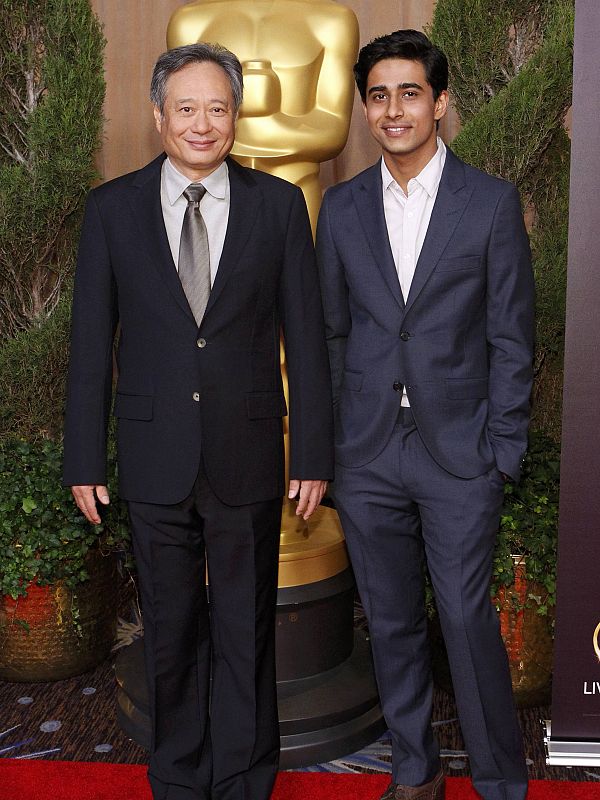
(434, 790)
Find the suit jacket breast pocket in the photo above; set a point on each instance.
(467, 388)
(459, 263)
(133, 406)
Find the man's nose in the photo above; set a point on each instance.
(395, 108)
(201, 122)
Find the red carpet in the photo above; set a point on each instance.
(72, 780)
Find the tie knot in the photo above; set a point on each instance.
(194, 193)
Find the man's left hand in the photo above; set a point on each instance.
(309, 493)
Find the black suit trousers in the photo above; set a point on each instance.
(210, 665)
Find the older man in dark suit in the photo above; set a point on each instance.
(428, 295)
(201, 262)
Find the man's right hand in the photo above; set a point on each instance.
(85, 497)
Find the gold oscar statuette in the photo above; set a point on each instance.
(297, 58)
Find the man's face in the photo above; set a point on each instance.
(401, 112)
(197, 127)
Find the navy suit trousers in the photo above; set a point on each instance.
(396, 511)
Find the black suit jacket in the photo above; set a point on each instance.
(462, 343)
(184, 391)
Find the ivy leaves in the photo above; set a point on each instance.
(43, 536)
(529, 522)
(28, 505)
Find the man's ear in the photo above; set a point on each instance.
(441, 105)
(158, 117)
(364, 108)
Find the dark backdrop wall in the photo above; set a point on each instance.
(576, 687)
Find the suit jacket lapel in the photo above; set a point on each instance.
(368, 197)
(245, 200)
(452, 198)
(147, 209)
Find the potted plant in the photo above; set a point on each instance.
(59, 588)
(524, 578)
(51, 94)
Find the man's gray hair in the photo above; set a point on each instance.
(179, 57)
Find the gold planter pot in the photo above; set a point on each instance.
(528, 639)
(38, 638)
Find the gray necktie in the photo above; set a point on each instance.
(194, 262)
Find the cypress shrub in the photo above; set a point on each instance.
(511, 82)
(51, 95)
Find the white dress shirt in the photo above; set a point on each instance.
(214, 208)
(407, 217)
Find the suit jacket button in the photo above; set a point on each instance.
(196, 396)
(405, 336)
(201, 342)
(397, 386)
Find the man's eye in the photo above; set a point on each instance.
(186, 109)
(410, 94)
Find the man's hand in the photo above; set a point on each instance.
(309, 493)
(85, 497)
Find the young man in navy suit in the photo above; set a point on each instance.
(201, 262)
(428, 296)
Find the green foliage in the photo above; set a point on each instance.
(510, 80)
(43, 536)
(549, 240)
(473, 35)
(51, 95)
(33, 368)
(489, 43)
(529, 522)
(510, 132)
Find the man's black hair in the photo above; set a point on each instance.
(410, 45)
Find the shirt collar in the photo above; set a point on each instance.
(386, 176)
(429, 177)
(176, 183)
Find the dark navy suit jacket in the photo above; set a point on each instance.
(183, 392)
(461, 344)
